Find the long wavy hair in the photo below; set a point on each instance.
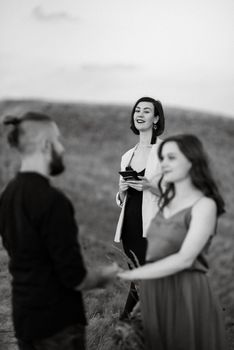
(200, 172)
(158, 111)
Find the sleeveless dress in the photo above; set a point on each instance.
(132, 235)
(134, 244)
(179, 312)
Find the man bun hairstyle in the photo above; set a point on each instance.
(13, 135)
(17, 131)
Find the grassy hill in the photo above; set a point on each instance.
(95, 136)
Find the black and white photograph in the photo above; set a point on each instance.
(116, 175)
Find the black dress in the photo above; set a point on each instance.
(132, 230)
(134, 244)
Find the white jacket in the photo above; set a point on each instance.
(149, 200)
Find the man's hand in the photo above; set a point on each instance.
(99, 278)
(107, 274)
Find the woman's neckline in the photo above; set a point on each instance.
(181, 210)
(144, 145)
(177, 212)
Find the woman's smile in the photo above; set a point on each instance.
(140, 121)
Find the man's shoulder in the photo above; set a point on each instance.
(59, 199)
(51, 200)
(40, 189)
(57, 194)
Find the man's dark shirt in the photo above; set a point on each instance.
(39, 232)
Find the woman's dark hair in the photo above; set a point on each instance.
(200, 171)
(16, 123)
(158, 111)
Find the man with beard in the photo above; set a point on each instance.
(39, 232)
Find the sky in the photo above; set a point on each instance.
(180, 52)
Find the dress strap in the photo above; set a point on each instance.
(193, 205)
(189, 216)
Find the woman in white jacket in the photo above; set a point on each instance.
(138, 198)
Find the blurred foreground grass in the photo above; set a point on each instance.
(95, 136)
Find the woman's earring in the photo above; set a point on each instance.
(155, 126)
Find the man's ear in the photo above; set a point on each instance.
(46, 146)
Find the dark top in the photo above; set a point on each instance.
(132, 235)
(39, 232)
(166, 235)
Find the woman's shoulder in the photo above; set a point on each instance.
(129, 152)
(159, 140)
(204, 205)
(156, 144)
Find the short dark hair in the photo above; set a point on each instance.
(158, 111)
(16, 123)
(200, 172)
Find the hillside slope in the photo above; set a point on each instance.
(95, 136)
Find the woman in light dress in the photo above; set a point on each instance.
(179, 308)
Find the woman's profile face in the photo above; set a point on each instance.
(144, 116)
(175, 166)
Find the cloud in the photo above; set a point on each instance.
(45, 16)
(115, 67)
